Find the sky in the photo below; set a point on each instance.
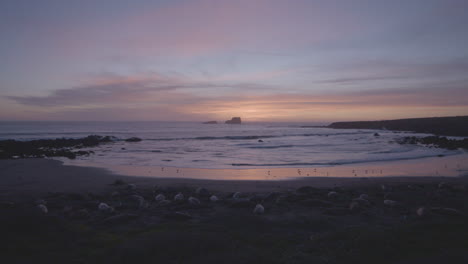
(263, 60)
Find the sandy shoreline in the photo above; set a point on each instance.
(32, 176)
(447, 166)
(44, 203)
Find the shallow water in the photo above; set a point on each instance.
(450, 166)
(221, 146)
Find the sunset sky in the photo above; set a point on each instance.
(263, 60)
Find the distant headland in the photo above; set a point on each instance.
(446, 126)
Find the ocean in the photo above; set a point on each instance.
(223, 146)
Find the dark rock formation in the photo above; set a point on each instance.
(448, 126)
(133, 139)
(439, 142)
(61, 147)
(234, 120)
(211, 122)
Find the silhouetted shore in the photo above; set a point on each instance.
(447, 126)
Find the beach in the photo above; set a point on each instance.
(234, 132)
(256, 193)
(320, 219)
(25, 176)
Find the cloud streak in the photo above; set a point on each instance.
(169, 98)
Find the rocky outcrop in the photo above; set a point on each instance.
(234, 120)
(61, 147)
(210, 122)
(439, 142)
(447, 126)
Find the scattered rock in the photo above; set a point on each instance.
(42, 208)
(179, 197)
(421, 212)
(439, 142)
(60, 147)
(139, 200)
(103, 207)
(236, 195)
(160, 197)
(259, 209)
(131, 187)
(364, 196)
(202, 192)
(260, 140)
(376, 135)
(193, 201)
(390, 203)
(332, 194)
(214, 198)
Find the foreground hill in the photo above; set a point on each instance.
(447, 126)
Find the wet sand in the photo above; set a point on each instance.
(47, 175)
(447, 166)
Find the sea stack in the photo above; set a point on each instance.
(234, 120)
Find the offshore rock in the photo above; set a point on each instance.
(234, 120)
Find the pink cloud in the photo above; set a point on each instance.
(156, 97)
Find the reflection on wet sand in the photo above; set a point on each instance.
(450, 166)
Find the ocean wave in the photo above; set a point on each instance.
(215, 138)
(272, 147)
(295, 164)
(253, 137)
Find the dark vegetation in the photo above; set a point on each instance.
(447, 126)
(426, 223)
